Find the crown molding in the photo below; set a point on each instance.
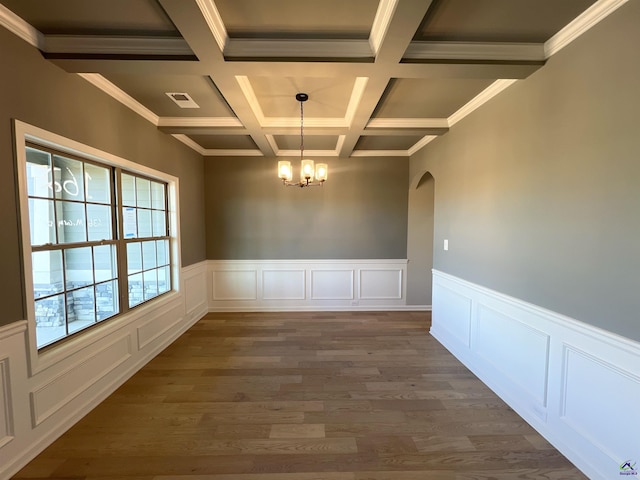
(124, 98)
(214, 21)
(380, 153)
(214, 122)
(19, 27)
(381, 22)
(533, 52)
(421, 143)
(116, 45)
(188, 142)
(590, 17)
(483, 97)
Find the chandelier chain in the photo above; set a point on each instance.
(301, 130)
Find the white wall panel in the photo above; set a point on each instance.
(235, 284)
(160, 321)
(195, 285)
(380, 284)
(49, 397)
(517, 351)
(601, 402)
(332, 284)
(6, 429)
(576, 384)
(283, 284)
(454, 313)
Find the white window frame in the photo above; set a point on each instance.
(42, 359)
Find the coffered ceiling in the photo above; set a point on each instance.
(384, 77)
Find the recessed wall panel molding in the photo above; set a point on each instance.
(62, 389)
(381, 284)
(516, 351)
(282, 285)
(195, 290)
(454, 309)
(235, 284)
(599, 402)
(156, 326)
(332, 284)
(576, 384)
(6, 417)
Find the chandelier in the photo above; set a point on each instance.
(310, 176)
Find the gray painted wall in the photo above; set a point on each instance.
(37, 92)
(537, 191)
(420, 241)
(361, 212)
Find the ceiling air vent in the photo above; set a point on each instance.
(183, 100)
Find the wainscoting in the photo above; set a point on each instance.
(41, 396)
(290, 285)
(576, 384)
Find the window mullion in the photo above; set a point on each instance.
(121, 246)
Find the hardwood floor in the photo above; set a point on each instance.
(303, 396)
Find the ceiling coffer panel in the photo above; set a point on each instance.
(301, 19)
(398, 142)
(151, 91)
(328, 97)
(427, 98)
(224, 142)
(311, 142)
(498, 20)
(95, 17)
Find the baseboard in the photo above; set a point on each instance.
(555, 371)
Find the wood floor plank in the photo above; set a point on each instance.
(303, 396)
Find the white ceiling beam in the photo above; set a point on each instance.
(475, 51)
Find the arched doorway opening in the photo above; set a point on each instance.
(420, 239)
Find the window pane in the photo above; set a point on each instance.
(78, 267)
(159, 223)
(107, 300)
(99, 222)
(97, 183)
(144, 223)
(135, 289)
(143, 192)
(148, 255)
(71, 222)
(104, 262)
(39, 182)
(68, 178)
(157, 195)
(41, 222)
(128, 185)
(164, 280)
(81, 309)
(50, 324)
(150, 284)
(47, 273)
(162, 247)
(134, 257)
(129, 222)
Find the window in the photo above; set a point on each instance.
(99, 238)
